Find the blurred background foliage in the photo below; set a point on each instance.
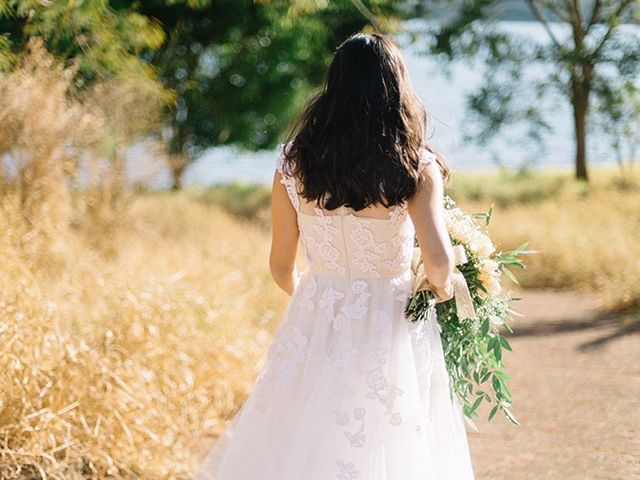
(131, 322)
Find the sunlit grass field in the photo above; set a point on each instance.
(586, 235)
(120, 349)
(113, 364)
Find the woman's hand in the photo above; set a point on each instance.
(444, 292)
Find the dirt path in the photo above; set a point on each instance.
(576, 386)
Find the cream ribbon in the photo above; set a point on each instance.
(464, 304)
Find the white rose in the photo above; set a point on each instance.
(489, 275)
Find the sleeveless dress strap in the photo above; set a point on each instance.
(398, 213)
(287, 180)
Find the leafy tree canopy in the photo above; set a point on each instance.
(241, 69)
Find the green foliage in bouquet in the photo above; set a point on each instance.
(473, 348)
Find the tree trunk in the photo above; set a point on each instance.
(580, 120)
(581, 88)
(177, 165)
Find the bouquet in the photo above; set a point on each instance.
(470, 322)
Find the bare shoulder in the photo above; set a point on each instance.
(431, 186)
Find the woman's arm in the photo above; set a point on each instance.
(426, 208)
(284, 239)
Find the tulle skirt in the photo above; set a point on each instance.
(350, 390)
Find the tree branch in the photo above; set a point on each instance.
(595, 13)
(574, 12)
(576, 24)
(368, 14)
(535, 9)
(613, 23)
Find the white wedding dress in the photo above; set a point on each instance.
(350, 388)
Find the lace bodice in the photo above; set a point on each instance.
(346, 243)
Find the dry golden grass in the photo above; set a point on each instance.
(111, 367)
(129, 326)
(587, 236)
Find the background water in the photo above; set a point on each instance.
(443, 89)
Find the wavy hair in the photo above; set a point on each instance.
(359, 141)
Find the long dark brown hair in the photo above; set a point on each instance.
(359, 141)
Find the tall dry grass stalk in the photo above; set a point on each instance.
(61, 149)
(42, 131)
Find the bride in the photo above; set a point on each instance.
(350, 388)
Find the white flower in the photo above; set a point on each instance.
(482, 246)
(496, 321)
(489, 275)
(464, 229)
(491, 267)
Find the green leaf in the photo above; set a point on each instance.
(493, 411)
(510, 416)
(502, 375)
(476, 404)
(497, 350)
(497, 386)
(511, 276)
(484, 329)
(505, 343)
(520, 249)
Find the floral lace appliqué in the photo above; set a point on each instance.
(346, 471)
(356, 310)
(339, 393)
(308, 293)
(381, 389)
(369, 250)
(402, 241)
(398, 213)
(380, 320)
(327, 302)
(322, 242)
(294, 351)
(358, 438)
